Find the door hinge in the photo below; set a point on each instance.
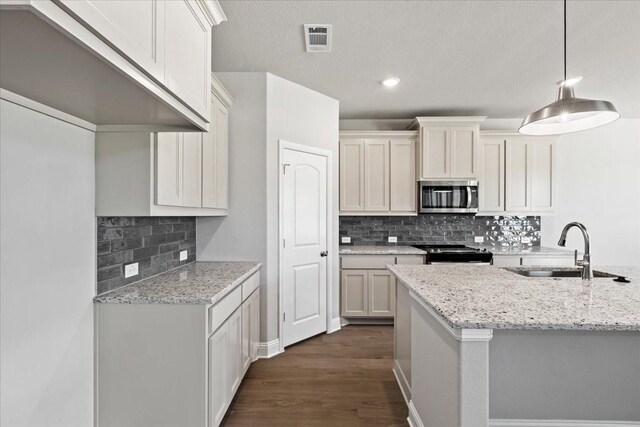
(284, 317)
(284, 243)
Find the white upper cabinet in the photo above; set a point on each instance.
(352, 175)
(516, 174)
(166, 173)
(377, 173)
(491, 176)
(402, 175)
(215, 157)
(135, 28)
(448, 147)
(187, 53)
(144, 63)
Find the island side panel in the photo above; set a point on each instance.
(151, 356)
(402, 338)
(449, 377)
(579, 375)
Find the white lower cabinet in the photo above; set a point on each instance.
(367, 288)
(167, 365)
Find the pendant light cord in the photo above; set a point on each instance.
(565, 40)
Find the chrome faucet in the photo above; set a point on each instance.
(585, 262)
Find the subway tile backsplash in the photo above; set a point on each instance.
(441, 229)
(153, 242)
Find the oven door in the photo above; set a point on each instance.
(448, 196)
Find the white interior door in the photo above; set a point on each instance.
(304, 246)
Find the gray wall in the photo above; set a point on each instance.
(154, 243)
(48, 256)
(441, 228)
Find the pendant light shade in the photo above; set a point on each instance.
(568, 113)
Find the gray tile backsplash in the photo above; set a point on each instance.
(153, 242)
(441, 228)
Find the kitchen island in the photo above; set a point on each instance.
(487, 346)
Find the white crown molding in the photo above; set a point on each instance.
(446, 120)
(269, 349)
(46, 110)
(379, 134)
(220, 92)
(213, 10)
(466, 335)
(560, 423)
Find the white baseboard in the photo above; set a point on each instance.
(402, 382)
(560, 423)
(414, 419)
(334, 325)
(269, 349)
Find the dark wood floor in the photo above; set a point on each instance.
(341, 379)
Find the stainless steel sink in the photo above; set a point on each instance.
(556, 272)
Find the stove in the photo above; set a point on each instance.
(455, 254)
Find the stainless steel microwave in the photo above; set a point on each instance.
(448, 196)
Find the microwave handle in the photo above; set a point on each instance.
(468, 197)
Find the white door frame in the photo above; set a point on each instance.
(327, 154)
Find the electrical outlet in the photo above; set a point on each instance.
(393, 239)
(345, 239)
(478, 239)
(183, 255)
(525, 239)
(131, 270)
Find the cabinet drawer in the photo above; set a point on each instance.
(367, 261)
(410, 259)
(223, 309)
(250, 285)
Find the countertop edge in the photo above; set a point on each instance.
(188, 301)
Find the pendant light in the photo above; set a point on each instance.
(568, 113)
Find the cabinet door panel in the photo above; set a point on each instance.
(542, 193)
(491, 185)
(234, 348)
(382, 291)
(192, 170)
(168, 173)
(402, 161)
(464, 146)
(133, 27)
(517, 180)
(254, 329)
(246, 335)
(219, 396)
(435, 152)
(188, 55)
(354, 289)
(376, 172)
(221, 114)
(352, 175)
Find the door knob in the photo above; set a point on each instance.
(324, 253)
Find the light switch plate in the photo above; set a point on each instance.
(525, 239)
(478, 239)
(183, 255)
(131, 270)
(393, 239)
(345, 239)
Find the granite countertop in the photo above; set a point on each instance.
(525, 250)
(487, 297)
(380, 250)
(195, 283)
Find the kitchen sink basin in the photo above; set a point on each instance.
(558, 272)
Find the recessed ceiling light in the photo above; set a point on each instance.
(391, 82)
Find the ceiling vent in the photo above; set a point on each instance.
(317, 38)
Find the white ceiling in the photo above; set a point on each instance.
(495, 58)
